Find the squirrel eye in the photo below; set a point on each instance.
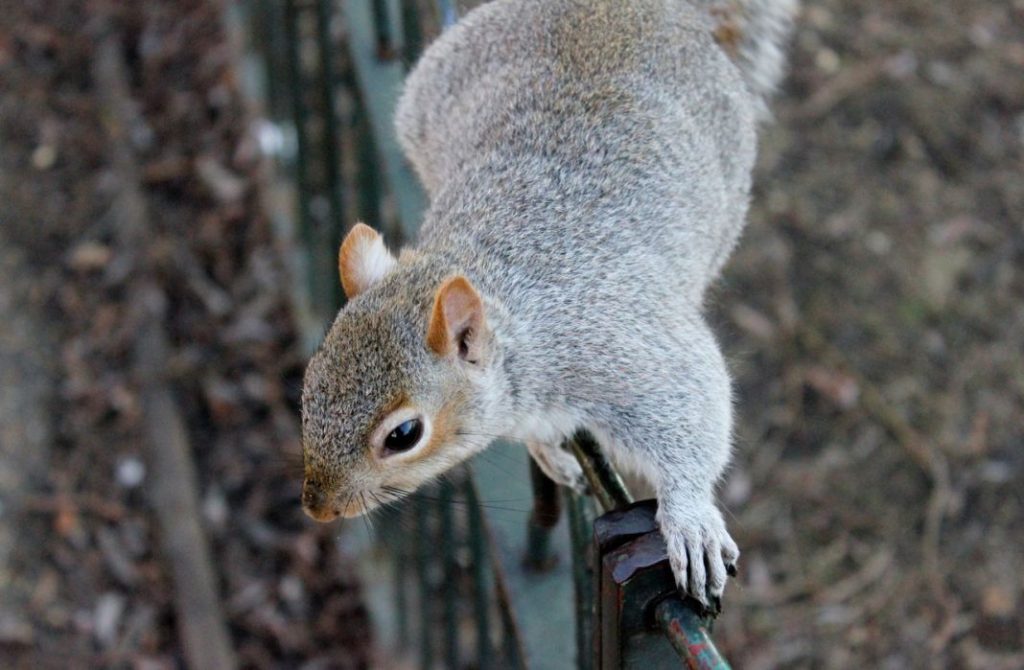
(405, 436)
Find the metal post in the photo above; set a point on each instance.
(580, 528)
(401, 544)
(367, 177)
(299, 115)
(634, 580)
(412, 32)
(481, 586)
(546, 510)
(605, 483)
(424, 551)
(450, 585)
(267, 37)
(382, 27)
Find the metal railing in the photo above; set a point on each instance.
(463, 575)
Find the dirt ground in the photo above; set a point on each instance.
(875, 320)
(873, 316)
(83, 580)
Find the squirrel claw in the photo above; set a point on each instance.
(701, 553)
(713, 608)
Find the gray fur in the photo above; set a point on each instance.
(588, 163)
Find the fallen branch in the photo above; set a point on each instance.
(848, 82)
(932, 461)
(174, 493)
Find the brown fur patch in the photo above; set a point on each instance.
(357, 240)
(729, 36)
(727, 32)
(445, 426)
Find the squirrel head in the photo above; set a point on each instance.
(401, 389)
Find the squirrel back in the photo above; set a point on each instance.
(636, 118)
(507, 44)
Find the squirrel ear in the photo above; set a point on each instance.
(363, 260)
(457, 320)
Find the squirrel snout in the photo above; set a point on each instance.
(315, 502)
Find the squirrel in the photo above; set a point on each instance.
(588, 166)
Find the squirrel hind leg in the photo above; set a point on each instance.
(558, 464)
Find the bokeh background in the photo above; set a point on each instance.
(873, 317)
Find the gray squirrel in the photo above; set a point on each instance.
(588, 166)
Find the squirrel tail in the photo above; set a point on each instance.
(754, 33)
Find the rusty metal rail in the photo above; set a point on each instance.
(642, 620)
(493, 567)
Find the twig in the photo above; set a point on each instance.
(174, 493)
(872, 571)
(929, 459)
(845, 83)
(90, 502)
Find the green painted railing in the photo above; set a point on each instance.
(494, 566)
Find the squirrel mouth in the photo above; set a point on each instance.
(326, 512)
(321, 514)
(323, 505)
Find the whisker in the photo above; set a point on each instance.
(491, 436)
(365, 517)
(392, 513)
(500, 460)
(417, 495)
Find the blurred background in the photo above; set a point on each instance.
(873, 316)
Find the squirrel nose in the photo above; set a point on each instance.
(312, 494)
(314, 502)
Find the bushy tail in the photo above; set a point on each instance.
(755, 33)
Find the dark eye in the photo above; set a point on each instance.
(405, 436)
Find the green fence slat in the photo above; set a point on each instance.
(400, 552)
(412, 32)
(543, 518)
(382, 29)
(331, 143)
(450, 584)
(581, 520)
(299, 114)
(541, 602)
(380, 83)
(424, 555)
(478, 557)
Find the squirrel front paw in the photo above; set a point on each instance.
(559, 465)
(700, 551)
